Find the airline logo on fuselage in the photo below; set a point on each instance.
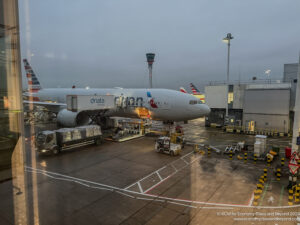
(151, 102)
(134, 101)
(97, 100)
(129, 101)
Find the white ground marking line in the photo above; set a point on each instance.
(205, 207)
(144, 177)
(75, 181)
(147, 199)
(187, 155)
(162, 168)
(176, 203)
(185, 161)
(159, 175)
(156, 197)
(131, 185)
(151, 199)
(157, 171)
(125, 194)
(174, 167)
(86, 185)
(251, 199)
(83, 184)
(199, 202)
(140, 187)
(170, 176)
(159, 183)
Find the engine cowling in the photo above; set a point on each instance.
(68, 118)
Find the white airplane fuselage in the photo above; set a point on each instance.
(163, 104)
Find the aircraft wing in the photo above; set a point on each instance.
(51, 106)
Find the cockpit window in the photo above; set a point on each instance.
(194, 102)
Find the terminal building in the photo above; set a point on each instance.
(255, 107)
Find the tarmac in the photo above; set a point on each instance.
(130, 183)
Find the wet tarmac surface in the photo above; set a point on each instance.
(129, 183)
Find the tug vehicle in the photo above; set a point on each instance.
(164, 145)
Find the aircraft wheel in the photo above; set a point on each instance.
(172, 153)
(56, 151)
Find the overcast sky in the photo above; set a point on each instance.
(102, 43)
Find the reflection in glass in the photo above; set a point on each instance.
(12, 175)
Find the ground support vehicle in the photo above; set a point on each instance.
(234, 149)
(164, 145)
(67, 138)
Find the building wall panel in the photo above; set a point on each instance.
(238, 99)
(267, 101)
(278, 122)
(290, 76)
(215, 96)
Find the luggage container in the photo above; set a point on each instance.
(260, 145)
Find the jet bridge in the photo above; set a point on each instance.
(94, 106)
(79, 103)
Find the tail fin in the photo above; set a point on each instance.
(182, 90)
(194, 89)
(33, 83)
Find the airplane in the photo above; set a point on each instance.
(194, 89)
(183, 90)
(157, 104)
(197, 93)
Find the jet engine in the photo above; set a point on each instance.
(68, 118)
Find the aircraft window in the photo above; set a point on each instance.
(193, 102)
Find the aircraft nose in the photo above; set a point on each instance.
(206, 109)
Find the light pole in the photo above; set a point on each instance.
(227, 40)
